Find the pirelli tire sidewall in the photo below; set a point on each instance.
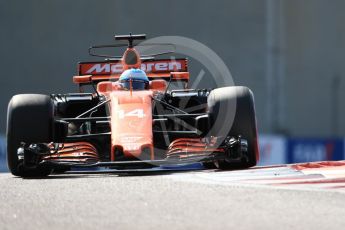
(232, 113)
(29, 120)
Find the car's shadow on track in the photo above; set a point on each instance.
(118, 173)
(162, 171)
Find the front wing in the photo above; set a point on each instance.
(84, 155)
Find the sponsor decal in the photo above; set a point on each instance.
(117, 68)
(131, 147)
(130, 139)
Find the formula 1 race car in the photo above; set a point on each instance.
(132, 120)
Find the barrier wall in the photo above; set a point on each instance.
(280, 150)
(306, 150)
(3, 166)
(272, 149)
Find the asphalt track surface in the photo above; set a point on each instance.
(164, 200)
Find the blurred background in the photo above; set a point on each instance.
(289, 52)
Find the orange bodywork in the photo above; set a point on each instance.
(131, 117)
(189, 147)
(131, 122)
(73, 152)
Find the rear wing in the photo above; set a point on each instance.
(90, 72)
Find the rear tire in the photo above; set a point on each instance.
(29, 120)
(238, 101)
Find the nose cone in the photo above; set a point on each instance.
(131, 122)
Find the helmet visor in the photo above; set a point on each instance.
(136, 84)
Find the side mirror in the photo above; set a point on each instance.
(84, 79)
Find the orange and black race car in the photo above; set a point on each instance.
(132, 120)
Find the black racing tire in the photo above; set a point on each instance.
(234, 107)
(29, 120)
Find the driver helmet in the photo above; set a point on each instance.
(139, 79)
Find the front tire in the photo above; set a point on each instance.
(29, 120)
(235, 104)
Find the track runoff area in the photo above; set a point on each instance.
(324, 175)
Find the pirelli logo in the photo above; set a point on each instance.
(158, 66)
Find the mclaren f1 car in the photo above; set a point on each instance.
(132, 119)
